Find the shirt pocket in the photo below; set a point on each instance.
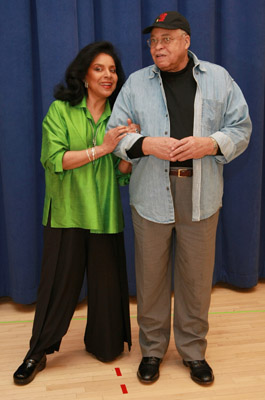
(212, 116)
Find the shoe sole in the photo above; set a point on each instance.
(202, 383)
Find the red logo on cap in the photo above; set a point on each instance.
(161, 17)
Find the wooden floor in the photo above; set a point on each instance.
(236, 351)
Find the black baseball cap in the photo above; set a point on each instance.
(170, 20)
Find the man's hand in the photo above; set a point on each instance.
(192, 147)
(160, 147)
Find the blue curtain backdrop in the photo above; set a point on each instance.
(39, 38)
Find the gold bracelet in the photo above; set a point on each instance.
(93, 150)
(88, 155)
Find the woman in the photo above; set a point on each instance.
(82, 214)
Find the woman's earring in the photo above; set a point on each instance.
(86, 84)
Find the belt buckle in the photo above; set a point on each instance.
(179, 172)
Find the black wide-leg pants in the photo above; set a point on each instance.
(68, 253)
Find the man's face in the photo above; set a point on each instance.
(169, 49)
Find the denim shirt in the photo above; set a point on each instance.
(220, 111)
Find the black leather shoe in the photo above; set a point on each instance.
(200, 371)
(28, 370)
(148, 370)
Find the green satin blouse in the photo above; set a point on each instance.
(86, 197)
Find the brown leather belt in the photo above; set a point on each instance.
(181, 172)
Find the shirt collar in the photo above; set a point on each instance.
(197, 64)
(106, 113)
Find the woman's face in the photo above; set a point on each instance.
(101, 76)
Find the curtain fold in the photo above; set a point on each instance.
(38, 41)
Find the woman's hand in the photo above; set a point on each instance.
(75, 159)
(112, 138)
(133, 128)
(125, 167)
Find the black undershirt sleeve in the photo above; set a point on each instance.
(136, 150)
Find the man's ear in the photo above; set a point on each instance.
(187, 41)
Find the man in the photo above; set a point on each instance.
(193, 119)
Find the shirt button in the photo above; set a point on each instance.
(165, 170)
(167, 188)
(166, 133)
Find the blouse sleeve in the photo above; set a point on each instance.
(54, 140)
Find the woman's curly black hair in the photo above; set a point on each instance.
(74, 90)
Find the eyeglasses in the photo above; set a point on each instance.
(152, 42)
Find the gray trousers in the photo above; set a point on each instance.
(194, 244)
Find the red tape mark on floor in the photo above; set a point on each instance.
(118, 371)
(124, 389)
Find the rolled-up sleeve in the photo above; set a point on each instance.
(54, 140)
(233, 138)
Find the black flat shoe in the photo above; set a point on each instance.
(28, 370)
(200, 371)
(148, 370)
